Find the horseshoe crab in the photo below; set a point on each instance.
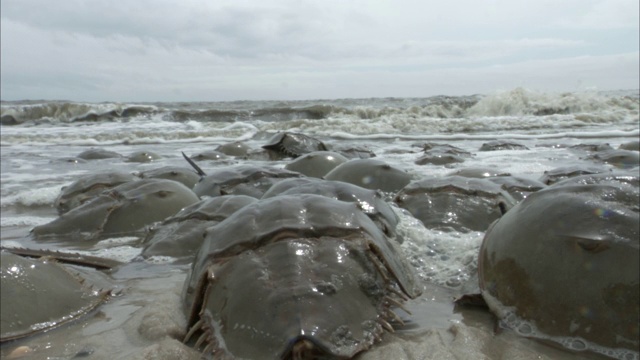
(88, 187)
(241, 180)
(502, 145)
(564, 172)
(370, 174)
(616, 177)
(181, 235)
(186, 176)
(438, 159)
(519, 187)
(316, 164)
(123, 210)
(266, 277)
(235, 148)
(630, 145)
(293, 144)
(143, 157)
(563, 265)
(441, 154)
(624, 159)
(96, 154)
(478, 172)
(455, 202)
(444, 149)
(38, 295)
(354, 152)
(369, 201)
(209, 155)
(591, 147)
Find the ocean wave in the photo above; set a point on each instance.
(60, 111)
(521, 101)
(585, 106)
(43, 196)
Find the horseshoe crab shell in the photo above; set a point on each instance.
(564, 172)
(294, 144)
(142, 157)
(186, 176)
(316, 164)
(266, 277)
(88, 187)
(519, 187)
(123, 210)
(181, 235)
(624, 159)
(97, 153)
(563, 264)
(631, 145)
(38, 295)
(369, 201)
(370, 174)
(455, 202)
(478, 172)
(502, 145)
(241, 180)
(235, 148)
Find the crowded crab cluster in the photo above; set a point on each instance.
(319, 236)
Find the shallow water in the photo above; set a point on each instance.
(39, 141)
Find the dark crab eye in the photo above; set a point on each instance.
(163, 193)
(593, 246)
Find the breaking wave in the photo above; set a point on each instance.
(516, 102)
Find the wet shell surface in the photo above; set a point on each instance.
(143, 157)
(183, 175)
(235, 148)
(624, 159)
(455, 202)
(88, 187)
(38, 295)
(294, 144)
(241, 180)
(266, 278)
(519, 187)
(316, 164)
(478, 172)
(96, 154)
(502, 145)
(370, 174)
(564, 172)
(371, 202)
(182, 234)
(563, 264)
(121, 211)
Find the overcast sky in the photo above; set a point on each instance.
(188, 50)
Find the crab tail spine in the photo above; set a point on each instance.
(193, 164)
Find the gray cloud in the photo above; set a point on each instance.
(195, 50)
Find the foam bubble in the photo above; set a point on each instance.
(33, 197)
(510, 320)
(158, 260)
(120, 253)
(24, 221)
(443, 258)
